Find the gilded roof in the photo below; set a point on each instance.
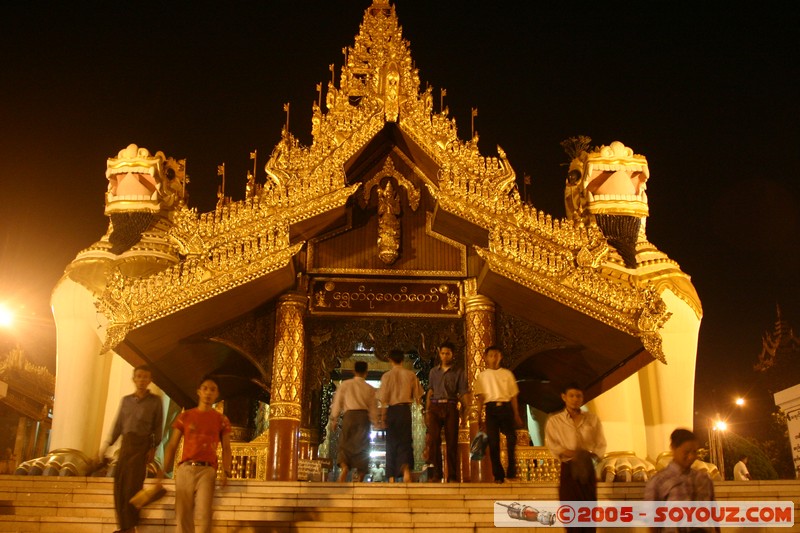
(379, 86)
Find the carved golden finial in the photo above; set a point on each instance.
(254, 157)
(319, 95)
(526, 180)
(442, 94)
(286, 108)
(472, 123)
(221, 190)
(333, 76)
(251, 188)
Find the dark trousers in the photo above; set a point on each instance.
(399, 443)
(129, 477)
(572, 490)
(444, 415)
(500, 418)
(354, 441)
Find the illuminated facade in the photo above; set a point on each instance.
(387, 231)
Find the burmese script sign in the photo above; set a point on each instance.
(387, 298)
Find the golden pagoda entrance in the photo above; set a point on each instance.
(388, 231)
(336, 344)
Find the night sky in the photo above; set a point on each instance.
(709, 96)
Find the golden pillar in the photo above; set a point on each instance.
(287, 388)
(480, 332)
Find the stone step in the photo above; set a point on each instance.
(67, 505)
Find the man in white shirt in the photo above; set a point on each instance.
(356, 398)
(496, 389)
(740, 472)
(575, 437)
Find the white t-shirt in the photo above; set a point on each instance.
(740, 472)
(498, 385)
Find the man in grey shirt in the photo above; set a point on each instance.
(139, 423)
(448, 387)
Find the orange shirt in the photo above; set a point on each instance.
(202, 432)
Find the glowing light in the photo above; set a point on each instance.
(740, 401)
(720, 425)
(6, 316)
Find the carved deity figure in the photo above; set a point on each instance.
(388, 223)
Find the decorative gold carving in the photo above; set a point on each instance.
(330, 343)
(133, 302)
(252, 335)
(288, 358)
(389, 208)
(462, 252)
(138, 181)
(388, 224)
(518, 337)
(535, 464)
(239, 433)
(30, 387)
(479, 317)
(563, 259)
(615, 164)
(388, 169)
(550, 269)
(366, 297)
(284, 411)
(249, 460)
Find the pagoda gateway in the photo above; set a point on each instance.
(388, 231)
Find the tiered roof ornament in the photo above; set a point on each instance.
(379, 86)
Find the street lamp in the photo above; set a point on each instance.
(715, 435)
(6, 316)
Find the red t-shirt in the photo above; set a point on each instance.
(202, 432)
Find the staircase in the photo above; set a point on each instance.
(78, 504)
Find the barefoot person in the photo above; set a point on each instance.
(139, 423)
(679, 481)
(448, 388)
(356, 399)
(496, 389)
(575, 437)
(202, 430)
(399, 388)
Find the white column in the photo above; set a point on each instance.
(667, 390)
(82, 372)
(789, 402)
